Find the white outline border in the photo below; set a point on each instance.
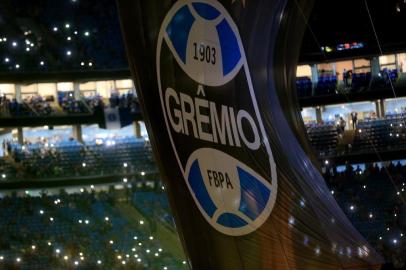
(274, 183)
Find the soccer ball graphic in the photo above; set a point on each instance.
(231, 196)
(204, 43)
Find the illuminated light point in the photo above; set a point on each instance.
(141, 222)
(65, 258)
(326, 162)
(42, 63)
(156, 254)
(139, 260)
(17, 66)
(14, 44)
(395, 241)
(151, 238)
(371, 215)
(51, 219)
(111, 242)
(27, 49)
(99, 262)
(55, 29)
(332, 192)
(6, 59)
(82, 63)
(106, 218)
(87, 33)
(68, 53)
(68, 38)
(125, 180)
(183, 262)
(123, 262)
(49, 244)
(67, 25)
(76, 32)
(83, 164)
(57, 250)
(165, 268)
(90, 64)
(3, 176)
(125, 165)
(87, 221)
(76, 263)
(33, 247)
(92, 186)
(18, 259)
(82, 190)
(1, 258)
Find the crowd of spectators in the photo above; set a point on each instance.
(128, 100)
(37, 105)
(329, 83)
(84, 229)
(56, 158)
(370, 135)
(373, 197)
(11, 107)
(68, 36)
(71, 105)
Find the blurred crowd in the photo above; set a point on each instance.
(373, 197)
(87, 229)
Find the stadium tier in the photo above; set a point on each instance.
(87, 229)
(53, 159)
(276, 135)
(373, 199)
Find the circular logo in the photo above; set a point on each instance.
(228, 189)
(211, 57)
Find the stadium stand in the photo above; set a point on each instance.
(83, 230)
(330, 85)
(47, 159)
(74, 35)
(370, 135)
(373, 199)
(323, 138)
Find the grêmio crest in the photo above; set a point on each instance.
(212, 117)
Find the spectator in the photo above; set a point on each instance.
(354, 118)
